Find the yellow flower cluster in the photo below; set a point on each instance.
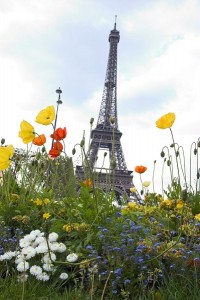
(132, 206)
(170, 203)
(40, 202)
(21, 219)
(75, 227)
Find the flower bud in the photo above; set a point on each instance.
(198, 144)
(91, 121)
(2, 141)
(168, 162)
(105, 153)
(162, 154)
(43, 149)
(73, 151)
(112, 119)
(113, 163)
(82, 143)
(195, 151)
(177, 153)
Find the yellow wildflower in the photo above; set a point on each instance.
(46, 201)
(38, 202)
(132, 205)
(46, 116)
(166, 121)
(46, 215)
(197, 217)
(27, 132)
(168, 202)
(6, 153)
(179, 204)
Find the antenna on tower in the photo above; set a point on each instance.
(115, 22)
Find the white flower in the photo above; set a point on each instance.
(19, 258)
(42, 248)
(49, 267)
(63, 276)
(36, 233)
(7, 256)
(48, 257)
(53, 236)
(28, 252)
(43, 276)
(24, 242)
(58, 247)
(38, 240)
(36, 270)
(23, 266)
(72, 257)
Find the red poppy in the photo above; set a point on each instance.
(58, 146)
(88, 182)
(39, 140)
(140, 169)
(59, 134)
(54, 153)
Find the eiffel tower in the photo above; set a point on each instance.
(106, 135)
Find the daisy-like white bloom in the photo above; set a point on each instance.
(37, 233)
(28, 252)
(24, 242)
(63, 276)
(42, 248)
(43, 276)
(8, 255)
(36, 270)
(57, 247)
(49, 257)
(23, 266)
(38, 240)
(49, 267)
(53, 236)
(19, 258)
(72, 257)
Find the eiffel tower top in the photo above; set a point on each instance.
(114, 34)
(108, 107)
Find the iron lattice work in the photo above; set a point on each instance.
(107, 136)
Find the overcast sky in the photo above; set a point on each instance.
(47, 44)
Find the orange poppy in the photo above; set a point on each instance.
(54, 153)
(140, 169)
(88, 182)
(58, 146)
(39, 140)
(59, 134)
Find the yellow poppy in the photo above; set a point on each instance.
(146, 184)
(46, 116)
(6, 153)
(133, 189)
(27, 132)
(166, 121)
